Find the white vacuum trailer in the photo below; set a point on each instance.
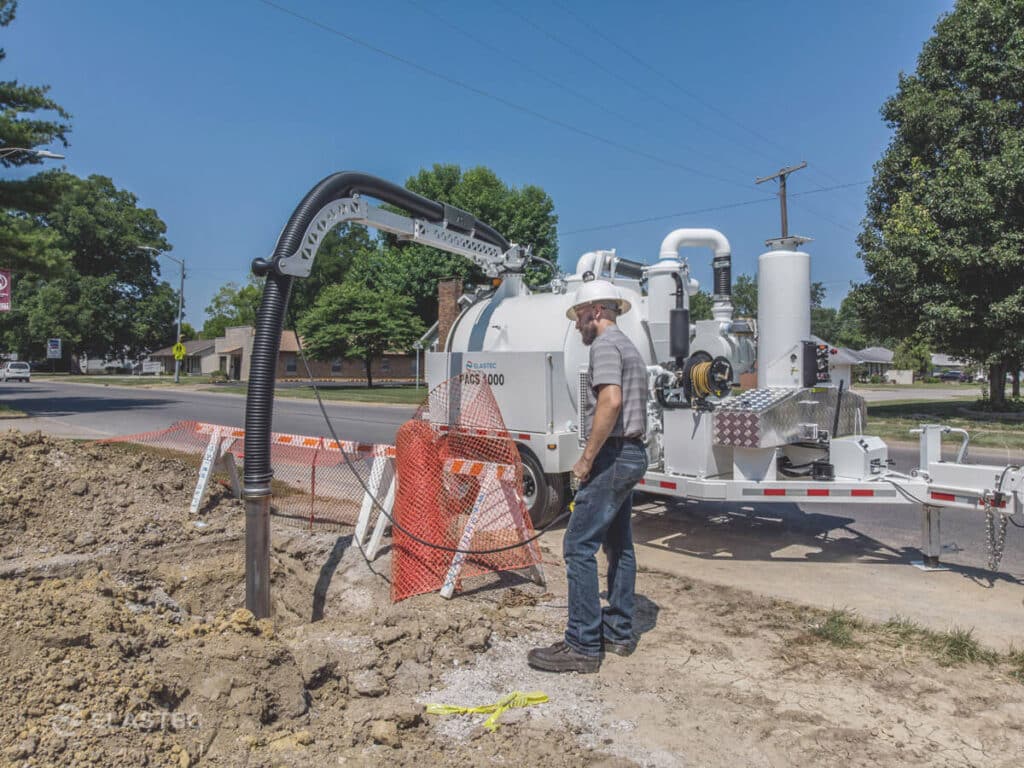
(796, 437)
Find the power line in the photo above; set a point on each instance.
(726, 206)
(499, 99)
(688, 93)
(598, 64)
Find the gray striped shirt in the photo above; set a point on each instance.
(614, 360)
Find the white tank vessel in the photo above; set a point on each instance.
(783, 312)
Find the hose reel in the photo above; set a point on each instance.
(702, 376)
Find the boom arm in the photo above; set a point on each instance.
(444, 235)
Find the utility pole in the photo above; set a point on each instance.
(181, 295)
(781, 176)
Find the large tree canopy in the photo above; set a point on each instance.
(108, 300)
(524, 215)
(29, 118)
(232, 305)
(943, 242)
(354, 321)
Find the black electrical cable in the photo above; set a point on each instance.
(377, 503)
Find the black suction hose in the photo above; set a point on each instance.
(259, 404)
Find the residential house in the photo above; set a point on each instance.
(199, 358)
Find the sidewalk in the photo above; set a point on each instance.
(859, 575)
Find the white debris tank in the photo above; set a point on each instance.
(783, 312)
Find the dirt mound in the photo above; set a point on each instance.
(125, 644)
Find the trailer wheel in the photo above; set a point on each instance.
(545, 495)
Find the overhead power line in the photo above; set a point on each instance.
(723, 207)
(595, 30)
(599, 65)
(500, 99)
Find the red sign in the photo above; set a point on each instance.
(5, 290)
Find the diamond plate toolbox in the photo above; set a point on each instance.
(765, 418)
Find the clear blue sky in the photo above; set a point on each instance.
(221, 115)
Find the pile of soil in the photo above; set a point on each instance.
(125, 644)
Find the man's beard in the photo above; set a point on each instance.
(589, 333)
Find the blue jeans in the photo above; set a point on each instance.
(604, 504)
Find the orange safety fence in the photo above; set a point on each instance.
(312, 483)
(459, 486)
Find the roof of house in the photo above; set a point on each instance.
(194, 347)
(875, 355)
(940, 359)
(288, 342)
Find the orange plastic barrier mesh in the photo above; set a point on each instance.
(312, 483)
(459, 486)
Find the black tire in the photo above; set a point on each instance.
(546, 495)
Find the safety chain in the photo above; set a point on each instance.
(996, 535)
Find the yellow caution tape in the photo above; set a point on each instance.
(509, 701)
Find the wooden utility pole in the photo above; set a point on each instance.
(781, 176)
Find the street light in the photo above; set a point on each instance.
(40, 153)
(181, 293)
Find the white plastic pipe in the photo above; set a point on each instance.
(703, 238)
(695, 238)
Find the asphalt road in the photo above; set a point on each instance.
(95, 411)
(890, 533)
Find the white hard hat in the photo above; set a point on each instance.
(597, 292)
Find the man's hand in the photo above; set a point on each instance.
(581, 469)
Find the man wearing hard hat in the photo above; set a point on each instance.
(613, 460)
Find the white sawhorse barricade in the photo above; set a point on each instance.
(497, 488)
(381, 480)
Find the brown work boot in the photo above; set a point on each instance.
(561, 657)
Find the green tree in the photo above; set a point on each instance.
(29, 118)
(700, 306)
(523, 215)
(354, 321)
(334, 259)
(232, 305)
(744, 296)
(912, 354)
(108, 299)
(943, 240)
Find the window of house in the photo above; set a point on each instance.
(385, 364)
(290, 366)
(336, 365)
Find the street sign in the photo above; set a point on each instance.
(179, 351)
(5, 290)
(53, 350)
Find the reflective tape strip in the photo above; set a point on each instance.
(478, 468)
(475, 432)
(304, 441)
(971, 501)
(819, 492)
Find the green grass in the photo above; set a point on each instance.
(124, 381)
(957, 646)
(970, 389)
(405, 394)
(6, 412)
(1016, 661)
(837, 628)
(893, 421)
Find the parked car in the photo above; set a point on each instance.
(17, 371)
(953, 376)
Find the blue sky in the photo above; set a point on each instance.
(222, 114)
